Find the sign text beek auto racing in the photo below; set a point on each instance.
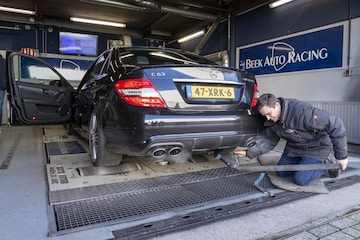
(315, 50)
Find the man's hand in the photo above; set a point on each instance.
(240, 153)
(343, 163)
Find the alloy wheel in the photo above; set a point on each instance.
(93, 137)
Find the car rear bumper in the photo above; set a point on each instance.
(194, 142)
(171, 135)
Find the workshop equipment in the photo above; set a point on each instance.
(333, 168)
(275, 168)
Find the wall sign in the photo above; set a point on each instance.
(310, 51)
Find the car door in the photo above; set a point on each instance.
(38, 94)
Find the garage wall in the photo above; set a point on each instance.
(300, 16)
(45, 39)
(328, 84)
(265, 24)
(332, 89)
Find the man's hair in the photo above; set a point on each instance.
(267, 99)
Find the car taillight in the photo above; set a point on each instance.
(139, 92)
(255, 96)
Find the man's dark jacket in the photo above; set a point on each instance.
(308, 131)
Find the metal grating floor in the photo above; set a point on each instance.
(156, 228)
(128, 201)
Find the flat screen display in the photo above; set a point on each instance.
(78, 44)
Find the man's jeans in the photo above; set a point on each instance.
(301, 178)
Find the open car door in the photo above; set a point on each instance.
(38, 94)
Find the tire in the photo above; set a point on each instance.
(100, 156)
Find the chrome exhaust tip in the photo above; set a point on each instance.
(158, 152)
(175, 151)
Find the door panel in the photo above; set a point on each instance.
(37, 92)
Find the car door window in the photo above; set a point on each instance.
(32, 71)
(99, 69)
(104, 69)
(98, 66)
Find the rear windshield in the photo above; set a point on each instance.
(140, 56)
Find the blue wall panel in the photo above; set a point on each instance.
(265, 23)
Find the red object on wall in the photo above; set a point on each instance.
(28, 51)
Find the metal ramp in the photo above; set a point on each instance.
(148, 198)
(80, 198)
(221, 211)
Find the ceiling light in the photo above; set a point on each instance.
(17, 10)
(278, 3)
(91, 21)
(191, 36)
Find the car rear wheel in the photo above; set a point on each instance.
(100, 156)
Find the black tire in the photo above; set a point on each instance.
(100, 156)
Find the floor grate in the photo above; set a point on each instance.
(215, 213)
(70, 195)
(139, 200)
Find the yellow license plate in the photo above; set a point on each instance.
(210, 92)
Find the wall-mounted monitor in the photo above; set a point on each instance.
(78, 44)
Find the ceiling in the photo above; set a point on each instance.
(164, 20)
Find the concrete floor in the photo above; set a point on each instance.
(24, 203)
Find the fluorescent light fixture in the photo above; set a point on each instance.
(278, 3)
(91, 21)
(191, 36)
(17, 10)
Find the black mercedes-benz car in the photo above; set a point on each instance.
(141, 101)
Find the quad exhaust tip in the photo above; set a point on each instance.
(171, 151)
